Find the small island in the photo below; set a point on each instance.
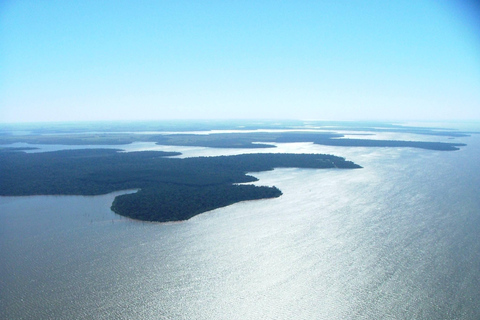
(170, 189)
(175, 189)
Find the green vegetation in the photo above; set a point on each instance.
(335, 141)
(171, 189)
(181, 202)
(225, 140)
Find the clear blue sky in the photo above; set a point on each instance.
(332, 60)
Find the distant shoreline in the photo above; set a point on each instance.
(171, 188)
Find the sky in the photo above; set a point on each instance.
(158, 60)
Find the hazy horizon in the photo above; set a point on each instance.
(342, 60)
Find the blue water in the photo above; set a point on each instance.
(398, 239)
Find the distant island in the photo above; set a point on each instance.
(247, 140)
(170, 189)
(174, 189)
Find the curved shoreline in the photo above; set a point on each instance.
(169, 189)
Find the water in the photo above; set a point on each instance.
(398, 239)
(192, 151)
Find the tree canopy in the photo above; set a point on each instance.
(171, 189)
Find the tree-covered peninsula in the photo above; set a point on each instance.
(170, 189)
(250, 140)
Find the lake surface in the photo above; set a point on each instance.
(398, 239)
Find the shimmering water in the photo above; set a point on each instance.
(398, 239)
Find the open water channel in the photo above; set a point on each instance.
(398, 239)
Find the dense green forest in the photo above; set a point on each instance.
(171, 189)
(232, 140)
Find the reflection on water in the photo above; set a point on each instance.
(192, 151)
(397, 239)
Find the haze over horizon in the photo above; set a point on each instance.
(332, 60)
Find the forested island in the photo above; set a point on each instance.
(173, 189)
(247, 140)
(170, 189)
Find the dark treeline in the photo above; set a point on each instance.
(167, 202)
(234, 140)
(170, 188)
(335, 141)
